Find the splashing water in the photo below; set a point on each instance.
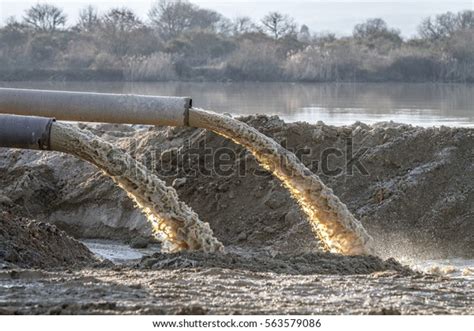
(330, 219)
(177, 221)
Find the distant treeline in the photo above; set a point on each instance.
(180, 41)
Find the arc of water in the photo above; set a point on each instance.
(331, 220)
(160, 203)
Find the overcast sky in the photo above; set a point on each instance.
(336, 16)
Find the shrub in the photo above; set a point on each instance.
(255, 62)
(334, 62)
(80, 54)
(106, 61)
(43, 49)
(156, 67)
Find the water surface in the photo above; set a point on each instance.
(336, 104)
(118, 252)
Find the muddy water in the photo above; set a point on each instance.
(180, 225)
(118, 252)
(225, 291)
(335, 225)
(181, 286)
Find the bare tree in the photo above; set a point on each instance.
(304, 35)
(11, 24)
(121, 20)
(171, 18)
(465, 19)
(224, 26)
(442, 26)
(446, 25)
(204, 19)
(44, 18)
(243, 24)
(118, 26)
(428, 30)
(88, 19)
(14, 33)
(375, 31)
(279, 25)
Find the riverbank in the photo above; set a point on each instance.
(203, 75)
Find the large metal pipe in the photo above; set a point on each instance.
(28, 132)
(96, 107)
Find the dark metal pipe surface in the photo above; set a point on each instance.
(28, 132)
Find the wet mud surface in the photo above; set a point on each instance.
(64, 278)
(226, 291)
(302, 264)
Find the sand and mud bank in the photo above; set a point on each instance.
(31, 244)
(411, 188)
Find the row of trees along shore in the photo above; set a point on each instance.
(181, 41)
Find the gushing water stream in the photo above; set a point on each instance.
(170, 216)
(330, 219)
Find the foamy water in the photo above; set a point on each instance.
(168, 215)
(455, 267)
(331, 220)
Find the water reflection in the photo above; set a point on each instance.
(418, 104)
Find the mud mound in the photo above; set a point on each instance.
(304, 264)
(408, 185)
(32, 244)
(411, 187)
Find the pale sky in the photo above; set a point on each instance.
(320, 15)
